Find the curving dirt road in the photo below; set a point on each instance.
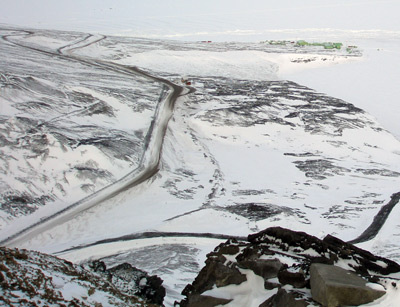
(378, 221)
(368, 234)
(149, 163)
(156, 234)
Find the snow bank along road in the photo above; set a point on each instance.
(150, 159)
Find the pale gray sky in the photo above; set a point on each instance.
(169, 16)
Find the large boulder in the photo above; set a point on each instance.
(333, 286)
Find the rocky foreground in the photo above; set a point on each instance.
(280, 267)
(30, 278)
(275, 267)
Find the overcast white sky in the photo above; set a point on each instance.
(167, 17)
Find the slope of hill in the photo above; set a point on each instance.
(245, 149)
(29, 278)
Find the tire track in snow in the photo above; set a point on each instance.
(149, 163)
(142, 173)
(155, 234)
(378, 221)
(368, 234)
(90, 39)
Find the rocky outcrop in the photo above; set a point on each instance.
(333, 286)
(30, 278)
(132, 281)
(282, 259)
(217, 272)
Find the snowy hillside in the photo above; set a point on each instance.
(65, 131)
(106, 154)
(244, 150)
(34, 279)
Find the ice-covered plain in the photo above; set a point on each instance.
(272, 135)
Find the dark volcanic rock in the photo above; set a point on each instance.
(328, 251)
(285, 238)
(282, 258)
(334, 286)
(283, 298)
(320, 169)
(364, 259)
(267, 268)
(218, 274)
(257, 212)
(132, 281)
(29, 278)
(296, 279)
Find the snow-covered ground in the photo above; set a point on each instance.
(272, 136)
(373, 24)
(65, 132)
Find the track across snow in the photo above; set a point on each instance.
(149, 162)
(155, 234)
(378, 222)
